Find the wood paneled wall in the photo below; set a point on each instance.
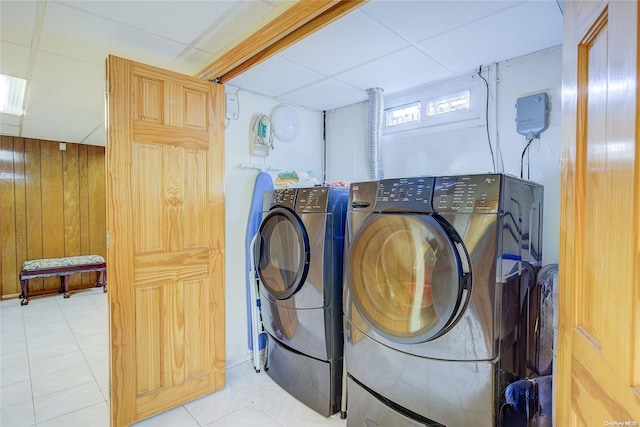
(52, 204)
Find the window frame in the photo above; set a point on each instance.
(437, 91)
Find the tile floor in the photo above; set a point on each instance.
(57, 375)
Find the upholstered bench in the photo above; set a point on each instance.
(62, 267)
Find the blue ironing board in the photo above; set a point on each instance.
(263, 183)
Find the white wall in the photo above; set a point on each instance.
(302, 154)
(538, 72)
(465, 150)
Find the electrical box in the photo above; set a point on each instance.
(532, 115)
(232, 106)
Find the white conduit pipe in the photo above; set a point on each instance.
(376, 116)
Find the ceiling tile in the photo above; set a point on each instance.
(97, 137)
(419, 20)
(9, 130)
(10, 119)
(346, 43)
(326, 95)
(69, 73)
(387, 73)
(60, 124)
(534, 26)
(275, 77)
(61, 97)
(190, 62)
(75, 34)
(180, 21)
(17, 19)
(14, 59)
(229, 27)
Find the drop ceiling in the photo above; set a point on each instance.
(60, 48)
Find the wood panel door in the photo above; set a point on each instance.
(598, 376)
(165, 249)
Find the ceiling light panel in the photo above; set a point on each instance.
(12, 94)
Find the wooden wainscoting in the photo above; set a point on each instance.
(53, 205)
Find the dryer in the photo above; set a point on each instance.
(299, 257)
(432, 297)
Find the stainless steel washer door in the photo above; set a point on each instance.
(407, 276)
(282, 253)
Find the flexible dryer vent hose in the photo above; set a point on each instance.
(376, 116)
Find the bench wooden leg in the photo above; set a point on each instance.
(24, 296)
(64, 286)
(101, 280)
(65, 280)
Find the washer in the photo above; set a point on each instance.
(299, 257)
(432, 297)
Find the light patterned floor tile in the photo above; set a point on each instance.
(12, 341)
(58, 360)
(61, 336)
(89, 327)
(284, 407)
(13, 359)
(217, 405)
(15, 393)
(94, 416)
(14, 374)
(63, 362)
(61, 380)
(241, 369)
(103, 383)
(175, 417)
(316, 420)
(53, 350)
(100, 368)
(249, 416)
(96, 353)
(67, 401)
(254, 386)
(11, 317)
(55, 322)
(92, 340)
(20, 415)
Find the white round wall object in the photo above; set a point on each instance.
(285, 123)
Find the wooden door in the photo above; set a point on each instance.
(598, 375)
(165, 248)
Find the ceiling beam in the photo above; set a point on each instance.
(294, 24)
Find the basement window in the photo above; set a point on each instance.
(455, 102)
(442, 106)
(402, 115)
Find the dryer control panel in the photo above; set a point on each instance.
(467, 194)
(405, 195)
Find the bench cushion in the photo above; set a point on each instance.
(47, 263)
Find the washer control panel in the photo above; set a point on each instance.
(405, 195)
(467, 194)
(312, 200)
(284, 197)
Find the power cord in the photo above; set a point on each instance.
(486, 117)
(522, 159)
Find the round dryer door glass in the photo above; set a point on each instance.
(405, 276)
(282, 253)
